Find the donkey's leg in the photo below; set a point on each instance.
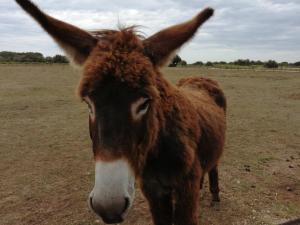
(160, 203)
(214, 184)
(186, 206)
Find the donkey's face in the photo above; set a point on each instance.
(119, 89)
(117, 123)
(120, 85)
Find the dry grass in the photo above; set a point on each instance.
(46, 166)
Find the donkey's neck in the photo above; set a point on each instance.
(177, 136)
(166, 89)
(170, 95)
(177, 110)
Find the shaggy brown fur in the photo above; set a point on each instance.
(180, 138)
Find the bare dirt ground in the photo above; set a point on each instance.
(46, 165)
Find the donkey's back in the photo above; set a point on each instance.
(207, 85)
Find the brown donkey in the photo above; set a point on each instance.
(142, 127)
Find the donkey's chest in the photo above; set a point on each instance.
(158, 178)
(166, 167)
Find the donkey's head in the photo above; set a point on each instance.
(122, 88)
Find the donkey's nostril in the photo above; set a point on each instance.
(108, 216)
(91, 202)
(111, 219)
(127, 203)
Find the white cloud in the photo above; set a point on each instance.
(256, 29)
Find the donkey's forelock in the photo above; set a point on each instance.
(119, 56)
(107, 34)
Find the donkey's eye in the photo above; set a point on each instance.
(140, 108)
(90, 105)
(90, 108)
(144, 106)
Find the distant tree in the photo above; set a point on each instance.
(271, 64)
(297, 63)
(284, 64)
(209, 64)
(60, 59)
(182, 63)
(198, 63)
(7, 56)
(31, 57)
(175, 61)
(258, 63)
(242, 62)
(49, 59)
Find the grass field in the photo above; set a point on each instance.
(46, 165)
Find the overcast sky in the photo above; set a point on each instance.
(254, 29)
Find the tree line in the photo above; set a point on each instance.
(178, 61)
(36, 57)
(30, 57)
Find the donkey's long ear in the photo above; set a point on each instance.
(161, 46)
(75, 42)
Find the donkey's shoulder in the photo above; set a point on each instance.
(205, 84)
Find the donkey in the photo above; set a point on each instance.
(144, 129)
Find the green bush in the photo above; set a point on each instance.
(198, 63)
(209, 64)
(182, 63)
(271, 64)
